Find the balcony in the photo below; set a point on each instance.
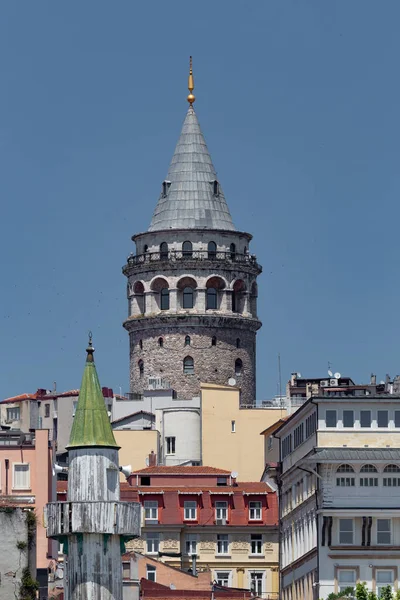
(176, 256)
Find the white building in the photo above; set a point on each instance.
(340, 491)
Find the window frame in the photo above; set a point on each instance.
(10, 413)
(389, 531)
(190, 539)
(163, 251)
(188, 365)
(47, 410)
(346, 584)
(154, 536)
(218, 579)
(153, 516)
(28, 471)
(212, 298)
(331, 411)
(347, 413)
(218, 509)
(396, 419)
(190, 516)
(188, 293)
(212, 250)
(256, 543)
(170, 445)
(378, 584)
(151, 569)
(164, 299)
(187, 249)
(222, 543)
(141, 368)
(383, 411)
(238, 367)
(370, 419)
(257, 510)
(346, 531)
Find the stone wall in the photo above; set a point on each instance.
(212, 363)
(15, 555)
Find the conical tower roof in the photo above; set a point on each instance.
(91, 426)
(190, 199)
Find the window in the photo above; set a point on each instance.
(21, 476)
(298, 435)
(255, 511)
(345, 481)
(164, 294)
(256, 545)
(256, 583)
(222, 543)
(212, 250)
(47, 410)
(187, 340)
(153, 542)
(222, 578)
(126, 570)
(383, 531)
(368, 481)
(384, 577)
(187, 249)
(170, 445)
(151, 572)
(237, 342)
(348, 418)
(232, 249)
(191, 544)
(188, 297)
(190, 510)
(311, 424)
(286, 445)
(346, 578)
(238, 366)
(13, 414)
(188, 365)
(383, 418)
(233, 426)
(164, 251)
(145, 480)
(213, 341)
(141, 368)
(365, 418)
(160, 342)
(215, 188)
(141, 344)
(221, 510)
(331, 418)
(391, 481)
(221, 481)
(145, 248)
(345, 531)
(150, 510)
(211, 299)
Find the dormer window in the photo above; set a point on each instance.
(165, 187)
(215, 185)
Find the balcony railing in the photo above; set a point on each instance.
(195, 255)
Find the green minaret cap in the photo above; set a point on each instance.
(91, 426)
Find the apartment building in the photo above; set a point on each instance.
(340, 490)
(198, 518)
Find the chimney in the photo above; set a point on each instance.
(152, 459)
(373, 379)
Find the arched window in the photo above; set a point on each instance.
(232, 249)
(163, 251)
(141, 368)
(368, 469)
(160, 342)
(391, 469)
(345, 481)
(188, 365)
(211, 298)
(237, 342)
(238, 366)
(145, 248)
(187, 340)
(368, 481)
(213, 341)
(187, 249)
(212, 250)
(141, 344)
(215, 188)
(188, 297)
(164, 299)
(394, 480)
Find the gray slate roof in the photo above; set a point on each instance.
(354, 454)
(190, 202)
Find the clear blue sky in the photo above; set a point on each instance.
(299, 103)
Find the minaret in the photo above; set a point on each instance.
(93, 524)
(192, 285)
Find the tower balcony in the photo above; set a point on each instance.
(177, 257)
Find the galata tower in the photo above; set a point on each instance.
(192, 284)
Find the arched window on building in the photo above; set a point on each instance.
(345, 476)
(141, 344)
(188, 297)
(232, 249)
(163, 251)
(211, 299)
(238, 366)
(141, 368)
(212, 250)
(145, 248)
(213, 341)
(237, 342)
(188, 365)
(187, 249)
(187, 340)
(394, 479)
(164, 295)
(370, 481)
(160, 342)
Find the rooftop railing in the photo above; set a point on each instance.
(195, 255)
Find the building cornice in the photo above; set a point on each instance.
(158, 320)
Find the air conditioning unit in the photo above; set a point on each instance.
(220, 521)
(333, 382)
(324, 383)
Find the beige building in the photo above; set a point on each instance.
(136, 446)
(230, 433)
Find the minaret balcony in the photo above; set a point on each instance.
(114, 518)
(195, 256)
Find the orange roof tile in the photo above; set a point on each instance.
(180, 470)
(246, 487)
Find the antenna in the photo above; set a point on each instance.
(330, 373)
(280, 375)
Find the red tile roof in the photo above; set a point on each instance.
(180, 470)
(37, 396)
(245, 487)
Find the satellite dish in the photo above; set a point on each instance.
(234, 475)
(330, 373)
(232, 381)
(337, 375)
(172, 586)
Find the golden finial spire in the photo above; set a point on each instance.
(191, 98)
(90, 349)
